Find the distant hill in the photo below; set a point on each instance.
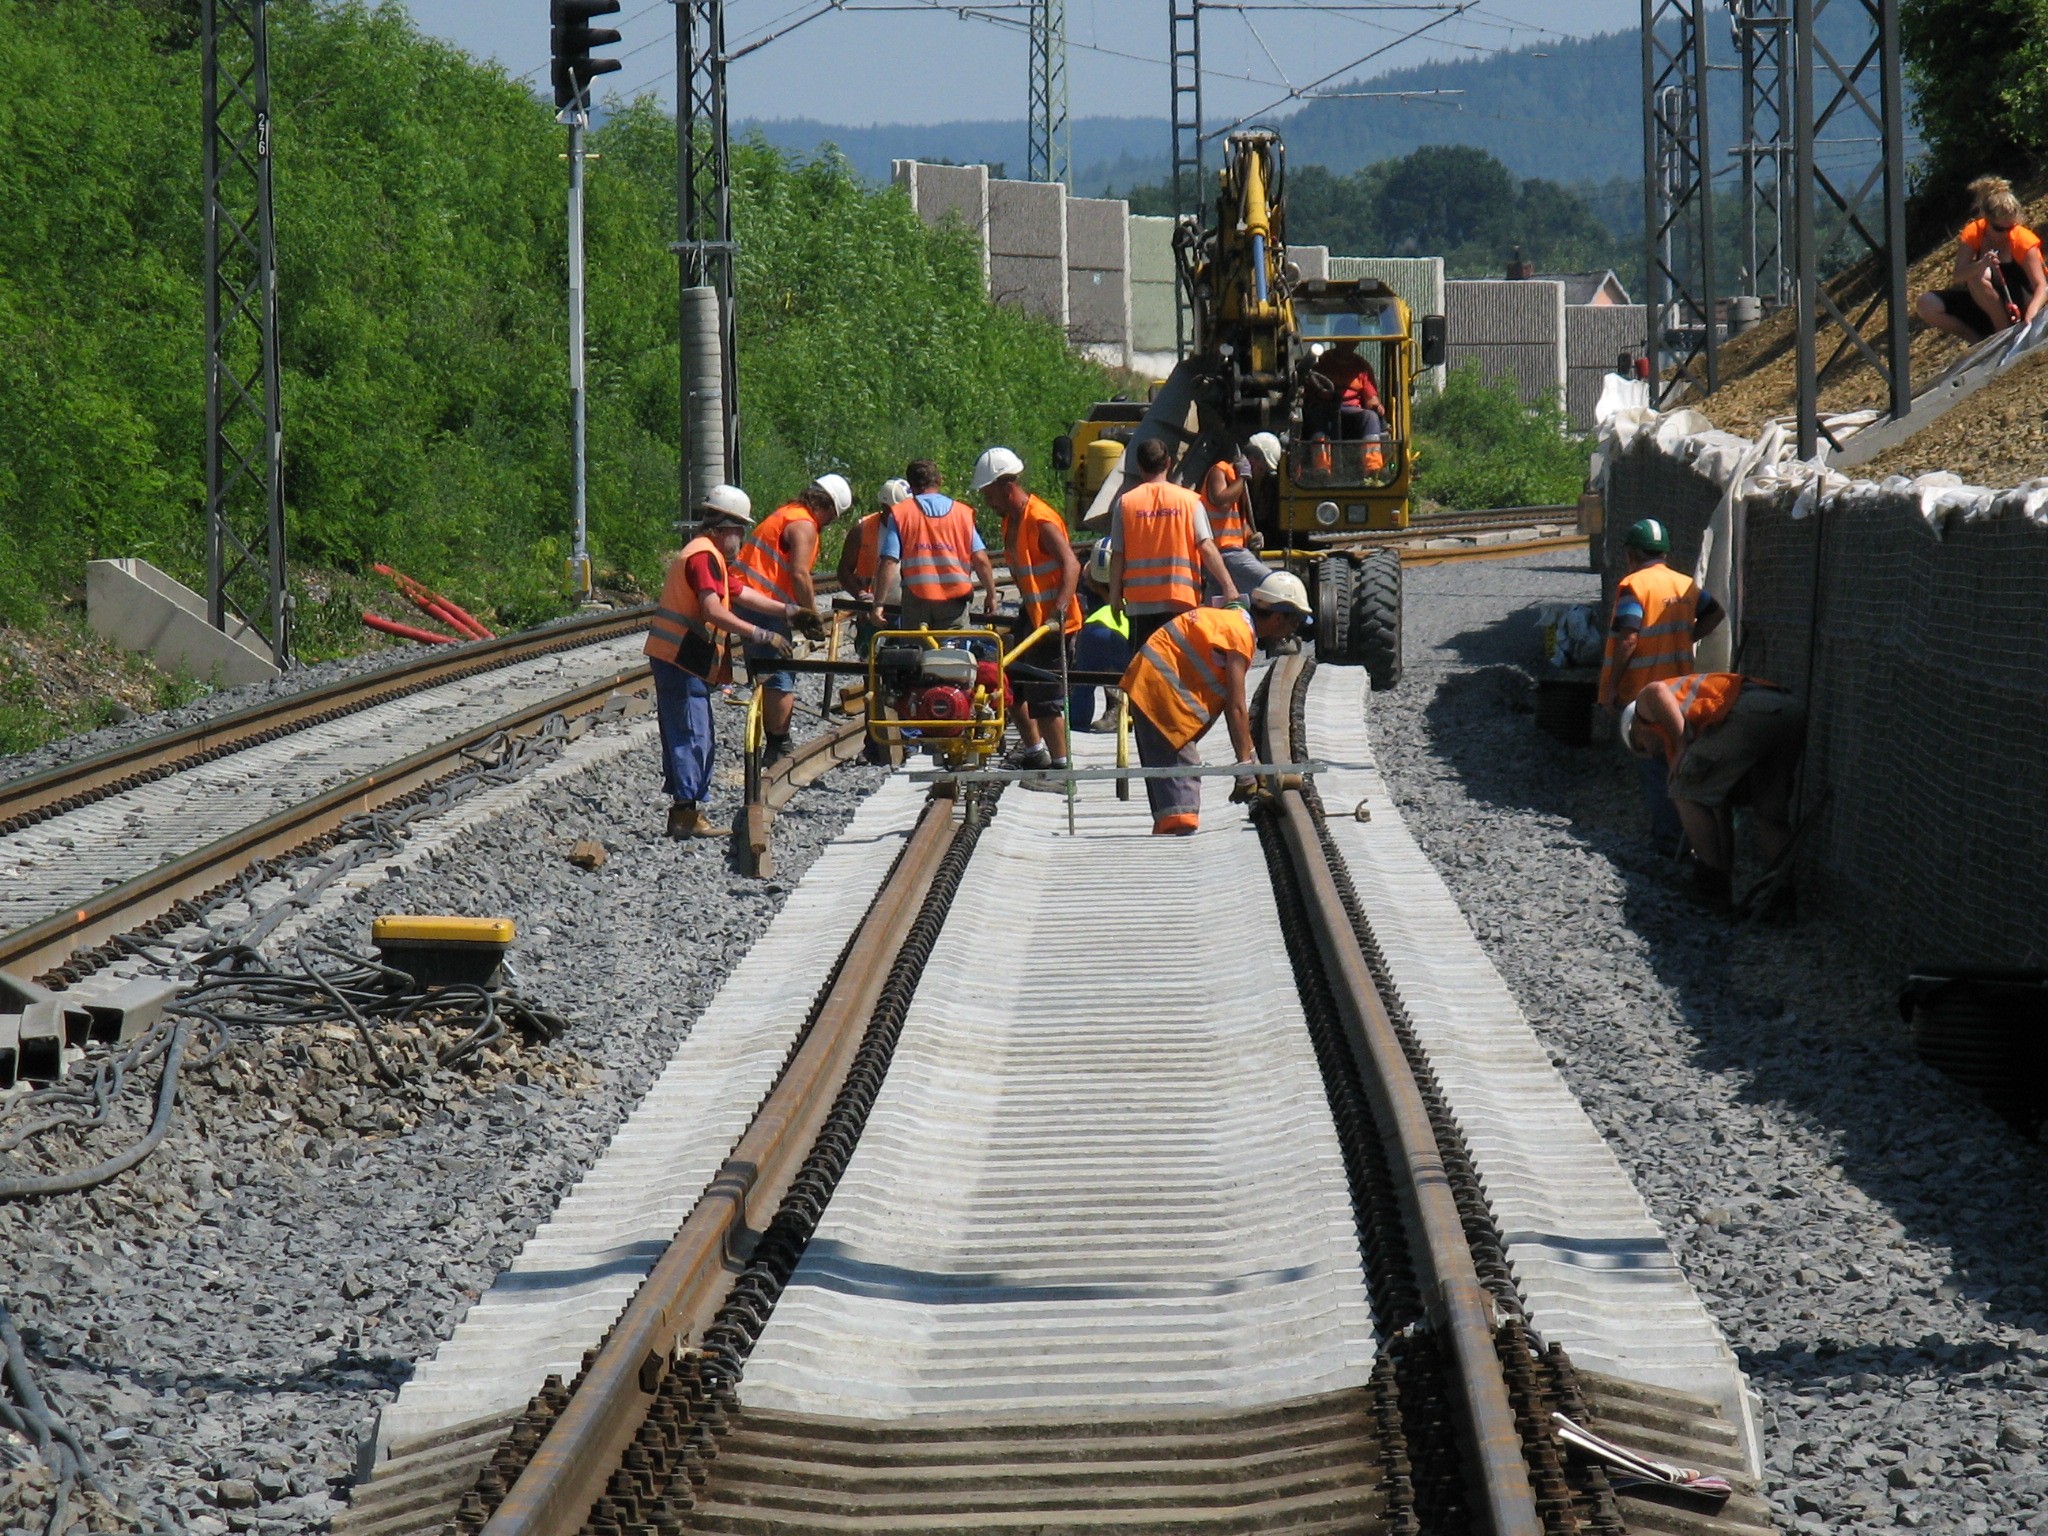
(1130, 148)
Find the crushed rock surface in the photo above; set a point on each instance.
(222, 1324)
(1869, 1237)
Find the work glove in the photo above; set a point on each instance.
(779, 644)
(1243, 466)
(1249, 790)
(808, 622)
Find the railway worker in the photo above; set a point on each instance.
(1999, 281)
(778, 595)
(1104, 645)
(930, 544)
(1725, 740)
(1343, 378)
(1161, 546)
(1193, 670)
(1227, 497)
(861, 553)
(1659, 616)
(689, 652)
(1048, 576)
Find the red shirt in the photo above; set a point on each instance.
(1353, 378)
(702, 575)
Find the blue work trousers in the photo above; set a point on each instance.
(689, 744)
(1665, 827)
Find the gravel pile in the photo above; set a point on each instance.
(1868, 1236)
(222, 1323)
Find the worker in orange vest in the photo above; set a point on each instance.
(1191, 670)
(931, 545)
(1659, 616)
(689, 653)
(778, 595)
(1162, 544)
(1048, 577)
(1723, 739)
(862, 551)
(1227, 493)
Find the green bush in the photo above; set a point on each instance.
(1479, 446)
(1979, 72)
(420, 211)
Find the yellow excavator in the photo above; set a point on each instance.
(1274, 352)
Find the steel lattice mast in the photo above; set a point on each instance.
(245, 534)
(1050, 154)
(1678, 199)
(1763, 39)
(1184, 53)
(704, 237)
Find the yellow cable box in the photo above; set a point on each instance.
(443, 951)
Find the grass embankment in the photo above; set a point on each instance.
(422, 288)
(1479, 446)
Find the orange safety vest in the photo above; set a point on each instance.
(1663, 651)
(1162, 556)
(1226, 522)
(868, 555)
(1703, 699)
(679, 623)
(937, 552)
(1177, 677)
(763, 563)
(1035, 565)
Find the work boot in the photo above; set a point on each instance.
(1105, 723)
(774, 750)
(1021, 756)
(686, 820)
(1049, 786)
(1712, 888)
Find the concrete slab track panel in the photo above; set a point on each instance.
(1105, 1180)
(577, 1272)
(1593, 1266)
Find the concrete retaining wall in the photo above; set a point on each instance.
(1594, 334)
(139, 608)
(1914, 621)
(1099, 278)
(1512, 330)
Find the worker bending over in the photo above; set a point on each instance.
(1659, 616)
(689, 652)
(1161, 546)
(778, 595)
(1189, 672)
(862, 550)
(1047, 574)
(1227, 497)
(931, 545)
(1725, 740)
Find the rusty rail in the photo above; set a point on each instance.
(1459, 1308)
(67, 787)
(688, 1284)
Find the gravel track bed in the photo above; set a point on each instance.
(1867, 1235)
(223, 1323)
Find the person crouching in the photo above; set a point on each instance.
(1187, 674)
(689, 652)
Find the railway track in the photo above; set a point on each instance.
(125, 842)
(1173, 1228)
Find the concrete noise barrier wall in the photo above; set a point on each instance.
(1153, 294)
(1512, 330)
(1099, 278)
(1027, 247)
(1913, 619)
(944, 194)
(1418, 279)
(1594, 335)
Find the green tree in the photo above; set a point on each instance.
(1479, 446)
(1979, 72)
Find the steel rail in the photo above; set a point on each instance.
(123, 908)
(777, 784)
(1460, 1310)
(26, 800)
(682, 1294)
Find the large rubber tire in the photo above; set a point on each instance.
(1376, 618)
(1358, 614)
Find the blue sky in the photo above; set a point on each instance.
(891, 67)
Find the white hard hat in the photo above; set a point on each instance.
(1628, 728)
(995, 464)
(892, 492)
(836, 487)
(1266, 446)
(1282, 589)
(1098, 562)
(726, 504)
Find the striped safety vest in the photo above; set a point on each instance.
(1227, 522)
(677, 633)
(937, 552)
(1703, 699)
(1177, 678)
(764, 563)
(1663, 651)
(1035, 564)
(1162, 556)
(869, 532)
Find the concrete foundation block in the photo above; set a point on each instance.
(139, 608)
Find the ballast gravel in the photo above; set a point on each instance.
(222, 1324)
(1869, 1237)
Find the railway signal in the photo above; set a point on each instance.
(570, 39)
